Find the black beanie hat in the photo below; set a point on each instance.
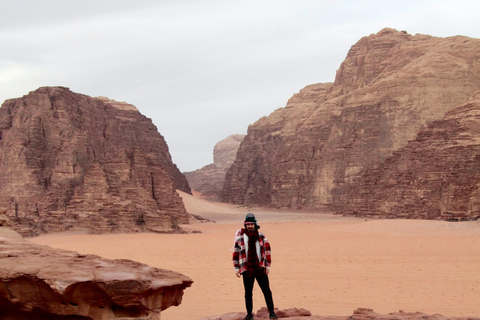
(251, 218)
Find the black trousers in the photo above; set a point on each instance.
(249, 281)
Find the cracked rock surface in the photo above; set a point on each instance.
(358, 314)
(39, 282)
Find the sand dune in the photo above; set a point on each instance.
(327, 264)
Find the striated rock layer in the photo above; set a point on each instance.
(69, 161)
(209, 180)
(436, 176)
(42, 283)
(390, 86)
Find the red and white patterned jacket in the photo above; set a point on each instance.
(240, 248)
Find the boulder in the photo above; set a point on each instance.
(42, 283)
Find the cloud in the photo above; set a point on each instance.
(201, 70)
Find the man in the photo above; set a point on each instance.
(252, 260)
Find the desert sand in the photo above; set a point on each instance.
(324, 263)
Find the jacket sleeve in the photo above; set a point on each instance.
(268, 252)
(236, 253)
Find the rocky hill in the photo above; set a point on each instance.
(69, 161)
(390, 86)
(436, 176)
(209, 180)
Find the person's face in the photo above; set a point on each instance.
(250, 226)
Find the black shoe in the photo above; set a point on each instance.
(249, 317)
(273, 315)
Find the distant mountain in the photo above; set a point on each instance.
(209, 180)
(72, 162)
(390, 86)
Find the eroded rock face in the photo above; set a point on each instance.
(390, 86)
(209, 180)
(4, 220)
(42, 283)
(69, 161)
(436, 176)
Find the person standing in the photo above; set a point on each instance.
(252, 260)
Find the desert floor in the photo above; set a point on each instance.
(327, 264)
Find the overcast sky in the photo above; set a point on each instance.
(201, 70)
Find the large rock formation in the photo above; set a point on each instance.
(390, 86)
(436, 176)
(42, 283)
(69, 161)
(225, 151)
(209, 180)
(358, 314)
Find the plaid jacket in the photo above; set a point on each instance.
(240, 253)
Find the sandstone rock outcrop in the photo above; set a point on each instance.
(42, 283)
(4, 220)
(69, 161)
(358, 314)
(225, 151)
(436, 176)
(209, 180)
(390, 86)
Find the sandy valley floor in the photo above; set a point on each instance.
(327, 264)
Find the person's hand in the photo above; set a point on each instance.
(267, 270)
(237, 273)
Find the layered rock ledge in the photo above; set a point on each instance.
(40, 283)
(358, 314)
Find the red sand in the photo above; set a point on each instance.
(327, 264)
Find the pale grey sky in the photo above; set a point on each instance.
(201, 70)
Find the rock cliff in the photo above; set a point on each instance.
(209, 180)
(390, 86)
(436, 176)
(69, 161)
(42, 283)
